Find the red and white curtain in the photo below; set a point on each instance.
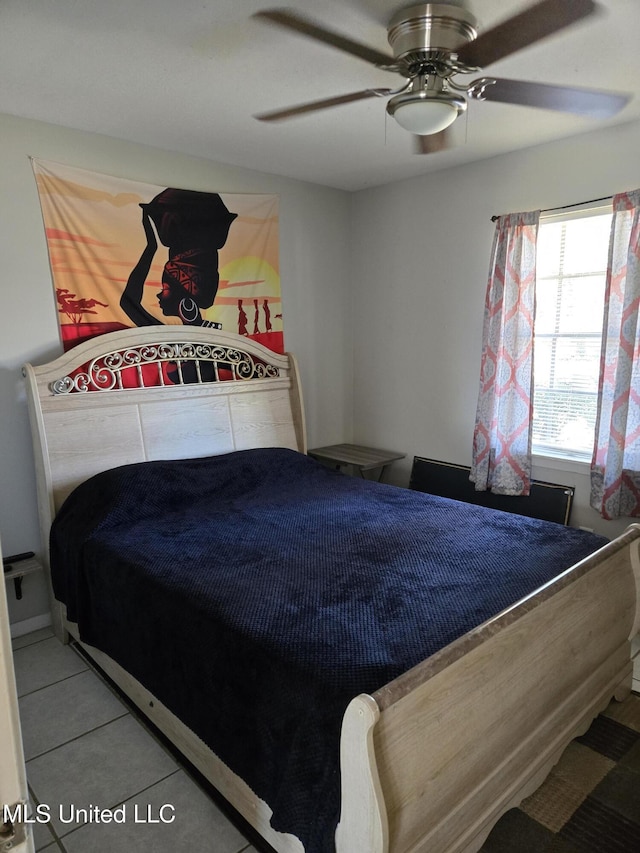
(615, 468)
(502, 435)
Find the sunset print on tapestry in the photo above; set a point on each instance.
(125, 253)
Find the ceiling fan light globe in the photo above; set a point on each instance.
(424, 117)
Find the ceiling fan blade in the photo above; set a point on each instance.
(307, 27)
(585, 102)
(300, 109)
(537, 22)
(433, 143)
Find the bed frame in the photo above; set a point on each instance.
(431, 760)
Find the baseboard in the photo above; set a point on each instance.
(26, 626)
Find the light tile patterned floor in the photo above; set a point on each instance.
(84, 748)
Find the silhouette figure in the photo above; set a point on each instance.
(267, 315)
(242, 319)
(193, 226)
(256, 317)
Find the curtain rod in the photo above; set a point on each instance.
(567, 206)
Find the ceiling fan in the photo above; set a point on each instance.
(432, 44)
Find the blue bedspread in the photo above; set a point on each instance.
(256, 593)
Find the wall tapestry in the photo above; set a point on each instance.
(125, 254)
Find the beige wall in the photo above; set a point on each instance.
(383, 293)
(314, 251)
(420, 259)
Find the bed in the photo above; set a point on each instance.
(430, 758)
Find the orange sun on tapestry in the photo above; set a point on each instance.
(125, 253)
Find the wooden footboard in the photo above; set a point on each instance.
(433, 759)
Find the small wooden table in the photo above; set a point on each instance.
(361, 458)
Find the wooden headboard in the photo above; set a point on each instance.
(159, 392)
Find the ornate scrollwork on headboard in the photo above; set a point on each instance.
(175, 364)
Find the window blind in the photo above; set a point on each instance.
(571, 272)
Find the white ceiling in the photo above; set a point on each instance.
(188, 76)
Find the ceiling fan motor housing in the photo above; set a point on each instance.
(429, 31)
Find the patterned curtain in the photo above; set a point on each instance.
(502, 434)
(615, 468)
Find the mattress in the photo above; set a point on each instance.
(257, 592)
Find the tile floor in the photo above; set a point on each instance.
(84, 747)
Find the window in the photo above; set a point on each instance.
(572, 257)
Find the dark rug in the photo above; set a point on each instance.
(590, 802)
